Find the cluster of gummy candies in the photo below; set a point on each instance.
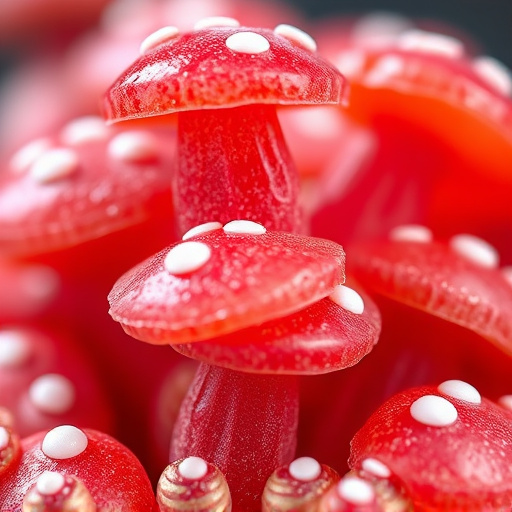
(237, 161)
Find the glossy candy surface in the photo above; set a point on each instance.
(321, 338)
(202, 69)
(240, 279)
(448, 446)
(459, 281)
(110, 472)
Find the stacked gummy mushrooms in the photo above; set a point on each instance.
(275, 323)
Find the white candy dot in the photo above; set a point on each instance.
(84, 129)
(506, 401)
(52, 393)
(15, 349)
(296, 36)
(4, 438)
(350, 62)
(460, 390)
(507, 274)
(244, 227)
(495, 73)
(247, 42)
(186, 257)
(355, 490)
(160, 36)
(430, 42)
(216, 21)
(54, 165)
(411, 233)
(348, 299)
(384, 69)
(475, 249)
(28, 154)
(305, 469)
(434, 411)
(376, 468)
(201, 229)
(133, 146)
(64, 442)
(193, 468)
(50, 482)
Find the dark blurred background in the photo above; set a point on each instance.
(488, 21)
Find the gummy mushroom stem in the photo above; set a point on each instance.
(234, 163)
(245, 424)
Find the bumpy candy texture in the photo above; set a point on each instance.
(245, 279)
(450, 451)
(111, 473)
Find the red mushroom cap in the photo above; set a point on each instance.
(224, 280)
(330, 335)
(450, 448)
(85, 181)
(224, 67)
(458, 281)
(110, 472)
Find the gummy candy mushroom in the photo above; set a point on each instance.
(448, 446)
(77, 469)
(455, 290)
(224, 82)
(424, 96)
(255, 305)
(66, 196)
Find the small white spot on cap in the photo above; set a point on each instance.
(379, 29)
(384, 69)
(193, 468)
(15, 348)
(495, 73)
(4, 438)
(54, 165)
(475, 249)
(460, 390)
(160, 36)
(376, 467)
(430, 42)
(39, 282)
(348, 299)
(64, 442)
(434, 411)
(84, 129)
(186, 257)
(355, 490)
(133, 146)
(411, 233)
(216, 22)
(50, 482)
(350, 62)
(244, 227)
(305, 469)
(201, 229)
(507, 273)
(28, 154)
(52, 393)
(506, 401)
(296, 36)
(247, 42)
